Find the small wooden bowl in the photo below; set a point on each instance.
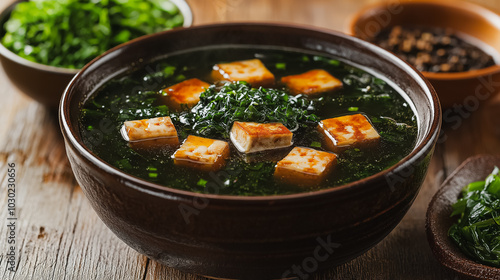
(462, 88)
(46, 83)
(439, 221)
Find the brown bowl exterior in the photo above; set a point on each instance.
(250, 237)
(44, 86)
(438, 220)
(467, 18)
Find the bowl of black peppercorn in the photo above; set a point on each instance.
(455, 44)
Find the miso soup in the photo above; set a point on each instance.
(334, 89)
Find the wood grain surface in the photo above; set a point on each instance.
(58, 235)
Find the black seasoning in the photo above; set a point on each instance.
(433, 49)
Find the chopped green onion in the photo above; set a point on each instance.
(334, 62)
(202, 183)
(152, 168)
(281, 66)
(353, 109)
(316, 144)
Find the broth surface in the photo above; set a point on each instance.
(136, 95)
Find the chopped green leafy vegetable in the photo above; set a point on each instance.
(70, 33)
(477, 231)
(218, 108)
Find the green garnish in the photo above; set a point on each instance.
(333, 62)
(152, 168)
(477, 231)
(315, 144)
(218, 108)
(202, 183)
(280, 65)
(352, 109)
(70, 33)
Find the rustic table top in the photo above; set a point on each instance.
(59, 236)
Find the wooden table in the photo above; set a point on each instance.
(59, 236)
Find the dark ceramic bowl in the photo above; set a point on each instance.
(259, 237)
(474, 21)
(46, 83)
(439, 221)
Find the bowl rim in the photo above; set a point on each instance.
(483, 12)
(418, 152)
(182, 5)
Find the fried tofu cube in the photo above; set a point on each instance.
(305, 167)
(150, 133)
(148, 129)
(250, 137)
(348, 131)
(312, 82)
(185, 93)
(252, 71)
(202, 153)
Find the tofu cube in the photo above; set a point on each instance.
(252, 71)
(250, 137)
(148, 133)
(148, 129)
(202, 153)
(305, 167)
(186, 93)
(312, 82)
(348, 131)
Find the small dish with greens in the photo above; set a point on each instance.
(462, 220)
(46, 42)
(70, 33)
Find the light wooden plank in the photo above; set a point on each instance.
(59, 236)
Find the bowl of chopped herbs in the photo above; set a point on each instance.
(463, 224)
(44, 43)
